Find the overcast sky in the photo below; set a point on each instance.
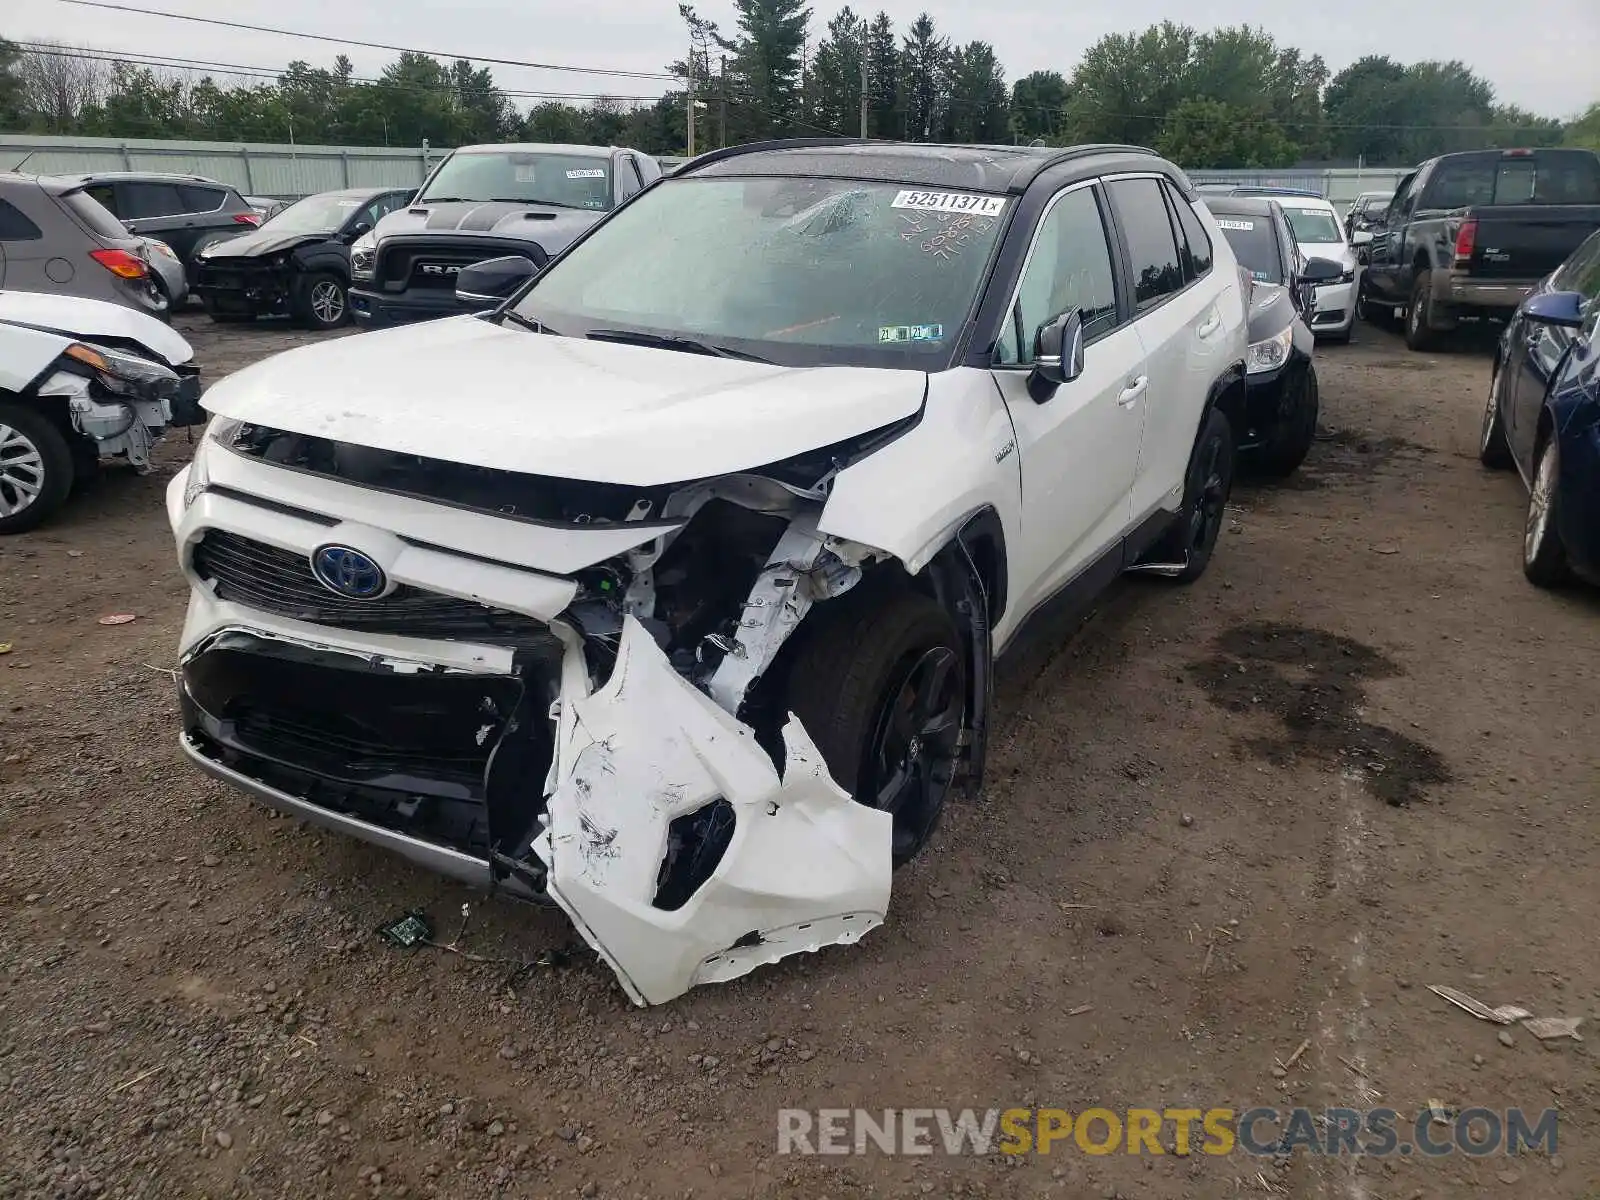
(1546, 62)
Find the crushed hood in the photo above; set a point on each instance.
(77, 317)
(471, 391)
(552, 227)
(261, 242)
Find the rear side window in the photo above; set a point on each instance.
(149, 200)
(15, 226)
(198, 199)
(1152, 249)
(105, 195)
(1194, 246)
(93, 215)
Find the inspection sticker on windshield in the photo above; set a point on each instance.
(950, 202)
(1230, 223)
(587, 173)
(888, 334)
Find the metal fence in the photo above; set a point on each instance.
(1340, 184)
(289, 172)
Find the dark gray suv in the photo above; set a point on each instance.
(184, 211)
(55, 238)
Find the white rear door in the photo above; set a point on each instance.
(1079, 445)
(1182, 327)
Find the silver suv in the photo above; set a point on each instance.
(55, 237)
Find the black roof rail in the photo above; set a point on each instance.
(727, 152)
(1039, 162)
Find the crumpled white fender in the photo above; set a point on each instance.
(807, 866)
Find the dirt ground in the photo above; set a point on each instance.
(1356, 759)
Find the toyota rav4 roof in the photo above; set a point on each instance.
(981, 168)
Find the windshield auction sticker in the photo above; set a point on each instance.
(950, 202)
(1230, 223)
(587, 173)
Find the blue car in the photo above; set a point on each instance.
(1543, 417)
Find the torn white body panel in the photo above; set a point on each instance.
(802, 570)
(806, 866)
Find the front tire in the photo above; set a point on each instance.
(36, 469)
(1544, 558)
(880, 683)
(322, 301)
(1295, 429)
(1493, 450)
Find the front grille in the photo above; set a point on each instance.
(359, 750)
(398, 265)
(245, 571)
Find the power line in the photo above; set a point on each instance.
(341, 41)
(175, 63)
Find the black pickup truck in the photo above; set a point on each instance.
(1468, 236)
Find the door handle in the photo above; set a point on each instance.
(1212, 324)
(1130, 394)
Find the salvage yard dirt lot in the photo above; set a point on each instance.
(1358, 758)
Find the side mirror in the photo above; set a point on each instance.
(1563, 309)
(489, 282)
(1058, 355)
(360, 227)
(1361, 237)
(1320, 270)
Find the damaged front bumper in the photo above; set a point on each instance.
(470, 728)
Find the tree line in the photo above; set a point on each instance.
(1229, 97)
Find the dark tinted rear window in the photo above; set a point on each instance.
(149, 200)
(1541, 177)
(15, 226)
(92, 215)
(1253, 244)
(200, 199)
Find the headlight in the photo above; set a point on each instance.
(221, 430)
(124, 374)
(198, 478)
(363, 253)
(1270, 354)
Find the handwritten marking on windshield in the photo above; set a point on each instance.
(949, 241)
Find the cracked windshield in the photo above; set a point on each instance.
(797, 270)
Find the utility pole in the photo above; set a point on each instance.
(690, 93)
(722, 86)
(864, 31)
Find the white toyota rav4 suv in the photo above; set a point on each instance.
(670, 591)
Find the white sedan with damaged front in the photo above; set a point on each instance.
(670, 591)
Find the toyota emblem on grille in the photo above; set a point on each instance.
(348, 572)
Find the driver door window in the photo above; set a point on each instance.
(1070, 267)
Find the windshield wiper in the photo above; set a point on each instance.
(525, 200)
(667, 341)
(528, 323)
(444, 200)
